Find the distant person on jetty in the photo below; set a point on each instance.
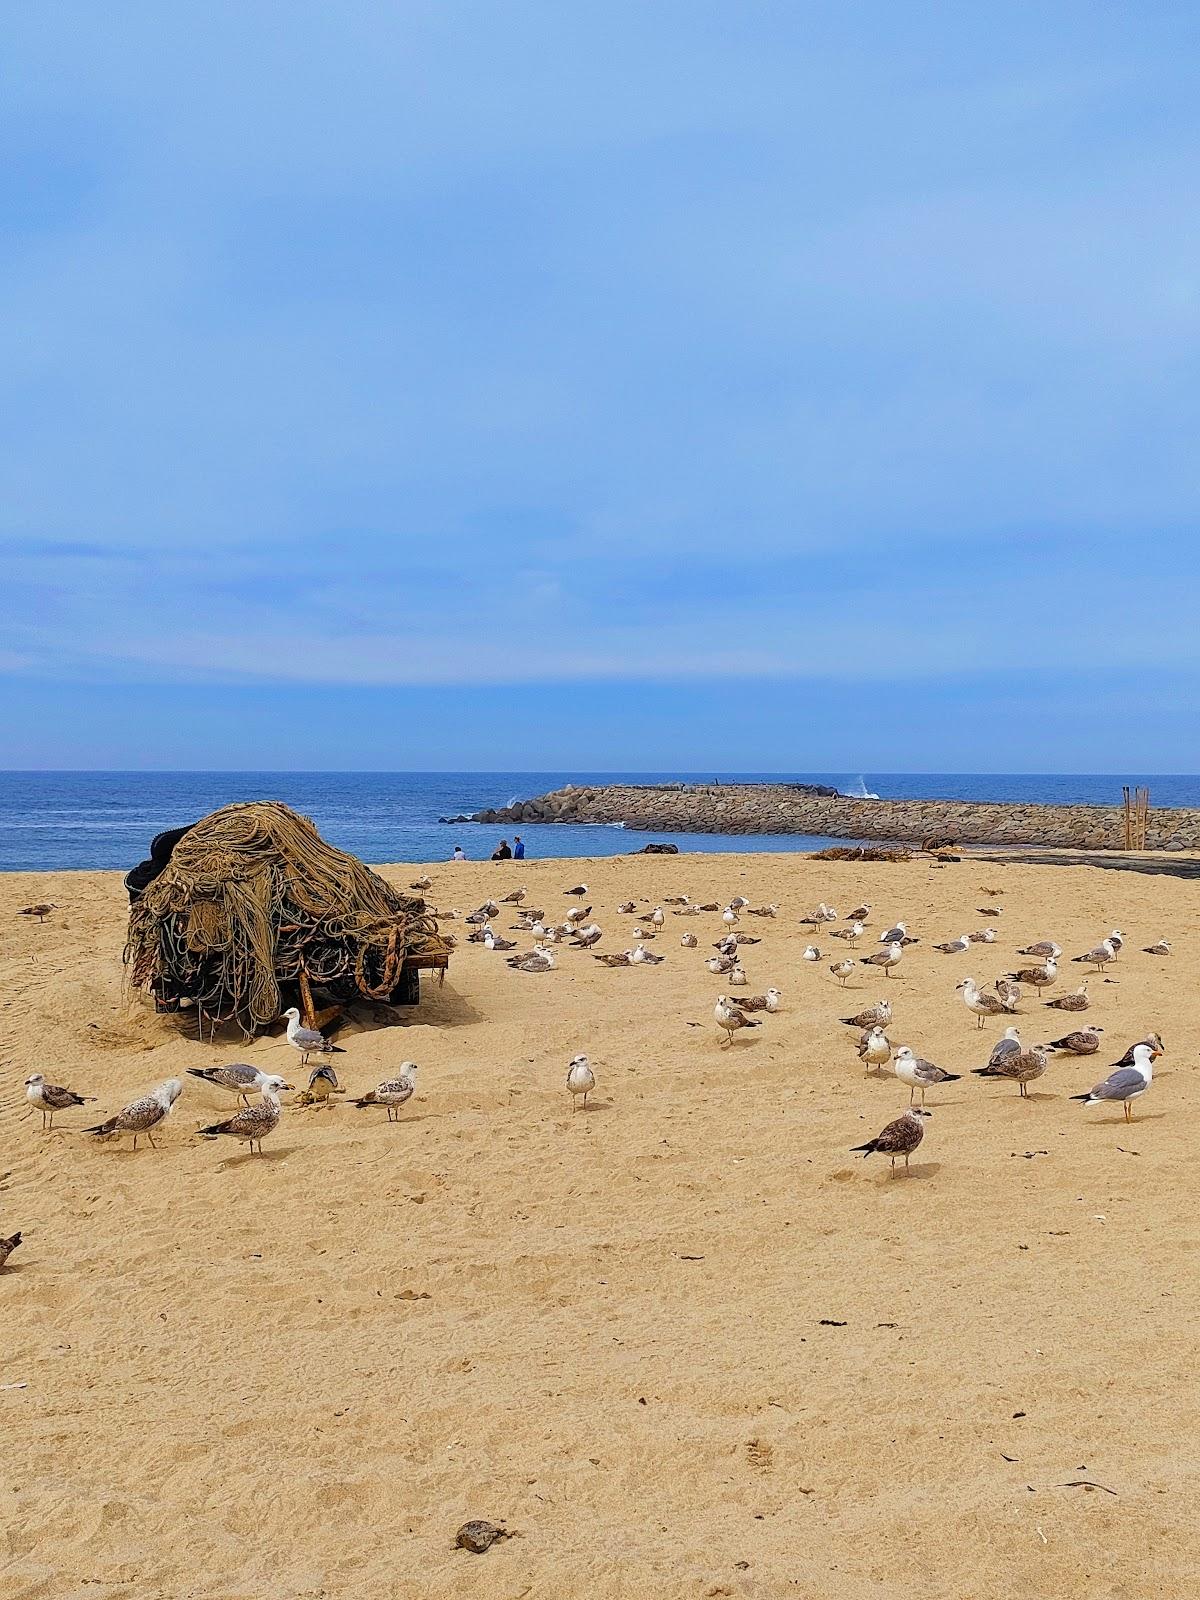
(518, 847)
(459, 853)
(502, 851)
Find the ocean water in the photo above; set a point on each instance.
(55, 820)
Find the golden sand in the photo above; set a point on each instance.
(683, 1344)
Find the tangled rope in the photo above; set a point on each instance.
(253, 898)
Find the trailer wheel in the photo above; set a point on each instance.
(408, 991)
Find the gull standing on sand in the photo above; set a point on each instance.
(1008, 1045)
(1038, 978)
(252, 1124)
(899, 1138)
(392, 1092)
(1009, 993)
(657, 917)
(1124, 1084)
(918, 1073)
(842, 970)
(852, 934)
(1099, 956)
(308, 1040)
(51, 1097)
(239, 1078)
(1020, 1067)
(140, 1115)
(875, 1049)
(878, 1015)
(730, 1017)
(581, 1080)
(729, 917)
(983, 1005)
(860, 913)
(886, 958)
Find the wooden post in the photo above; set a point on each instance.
(1128, 817)
(306, 999)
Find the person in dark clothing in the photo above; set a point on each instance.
(502, 852)
(518, 847)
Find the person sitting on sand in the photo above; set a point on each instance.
(518, 847)
(502, 851)
(459, 853)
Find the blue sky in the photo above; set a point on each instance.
(747, 386)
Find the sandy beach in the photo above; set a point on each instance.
(683, 1344)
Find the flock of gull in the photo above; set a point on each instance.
(258, 1094)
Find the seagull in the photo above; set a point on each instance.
(860, 913)
(826, 913)
(586, 937)
(614, 959)
(239, 1078)
(657, 917)
(729, 917)
(581, 1080)
(762, 1002)
(1077, 1000)
(875, 1048)
(1008, 992)
(140, 1115)
(252, 1124)
(539, 960)
(50, 1097)
(393, 1092)
(737, 975)
(899, 1138)
(719, 965)
(878, 1015)
(886, 958)
(7, 1246)
(629, 906)
(989, 911)
(639, 956)
(308, 1040)
(895, 935)
(955, 947)
(727, 946)
(811, 953)
(1019, 1067)
(918, 1073)
(730, 1017)
(515, 898)
(842, 970)
(1100, 956)
(577, 914)
(41, 912)
(763, 911)
(983, 1005)
(423, 882)
(1162, 948)
(1124, 1084)
(1046, 948)
(323, 1084)
(1116, 938)
(1038, 978)
(491, 942)
(852, 934)
(1079, 1042)
(579, 889)
(689, 941)
(1007, 1046)
(738, 903)
(1153, 1040)
(983, 936)
(677, 900)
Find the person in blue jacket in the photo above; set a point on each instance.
(518, 847)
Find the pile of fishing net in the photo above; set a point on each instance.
(863, 852)
(254, 909)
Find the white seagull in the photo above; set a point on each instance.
(1125, 1084)
(581, 1080)
(307, 1040)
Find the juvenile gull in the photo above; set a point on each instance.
(983, 1005)
(880, 1014)
(886, 958)
(41, 912)
(140, 1115)
(1124, 1084)
(737, 975)
(239, 1078)
(842, 970)
(731, 1018)
(1162, 948)
(1077, 1000)
(875, 1049)
(955, 947)
(852, 934)
(899, 1138)
(918, 1073)
(252, 1124)
(7, 1246)
(581, 1080)
(763, 911)
(983, 936)
(719, 965)
(513, 899)
(762, 1002)
(393, 1092)
(1079, 1042)
(1009, 993)
(587, 937)
(689, 941)
(308, 1040)
(1039, 978)
(860, 913)
(51, 1097)
(423, 882)
(1043, 947)
(1020, 1067)
(539, 960)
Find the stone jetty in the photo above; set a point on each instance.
(805, 808)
